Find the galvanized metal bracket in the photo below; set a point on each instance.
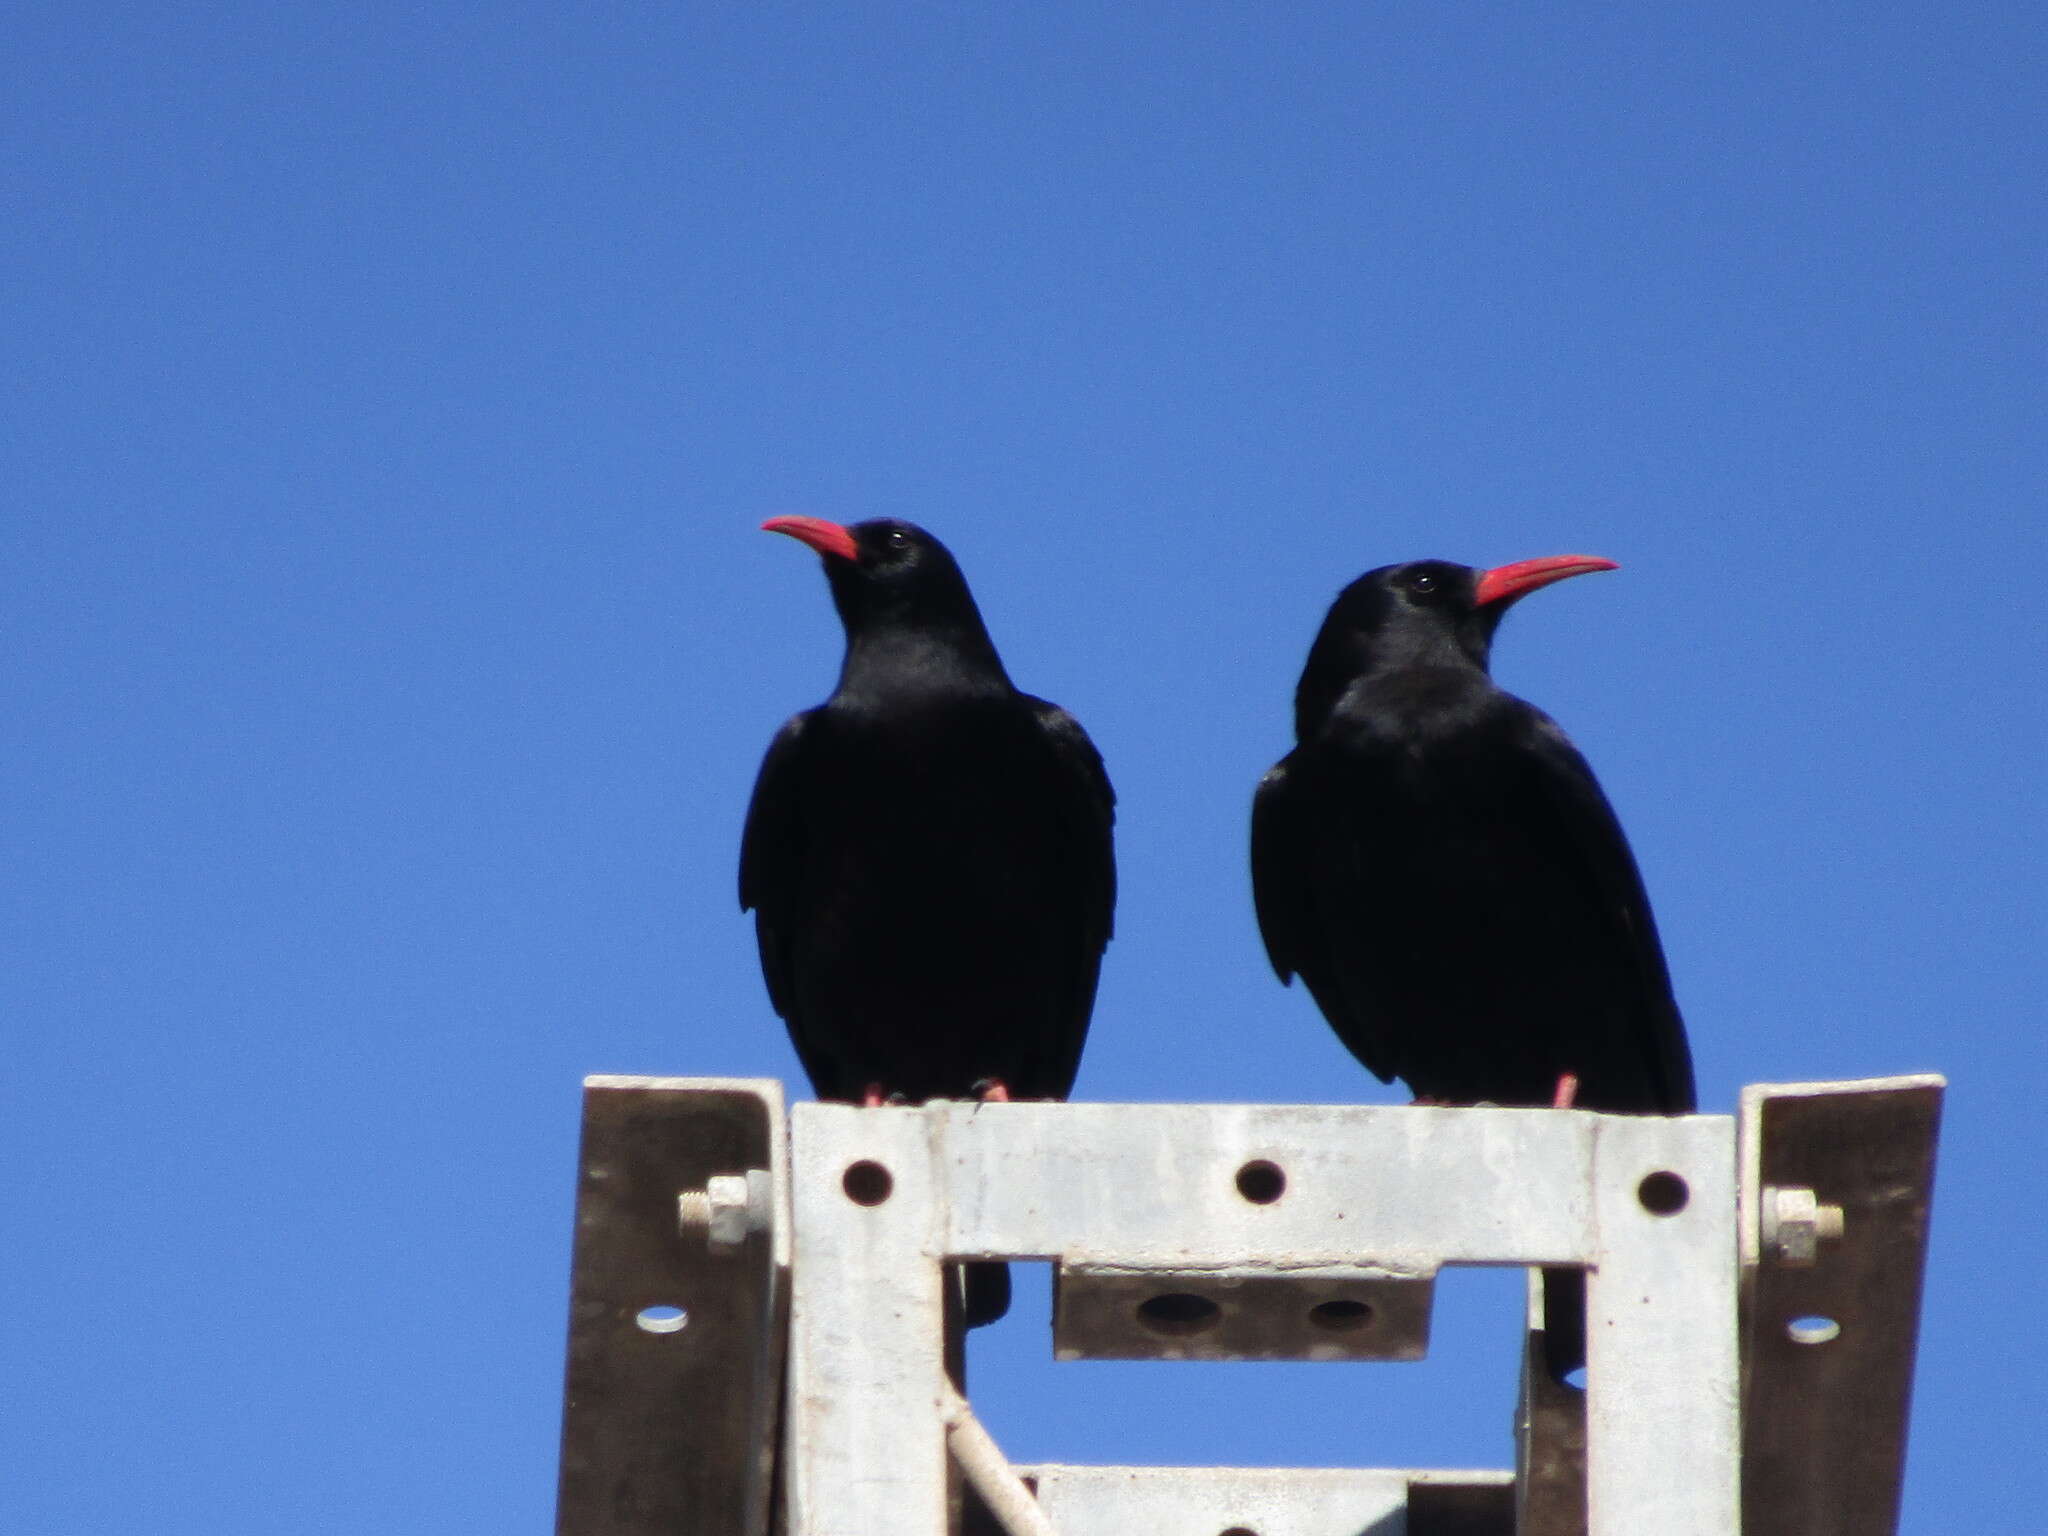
(1832, 1303)
(677, 1309)
(1239, 1232)
(883, 1199)
(1269, 1312)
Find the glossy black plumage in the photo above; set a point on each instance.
(1438, 864)
(928, 853)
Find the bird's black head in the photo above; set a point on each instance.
(1423, 614)
(892, 578)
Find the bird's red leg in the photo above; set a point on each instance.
(1567, 1090)
(872, 1099)
(992, 1090)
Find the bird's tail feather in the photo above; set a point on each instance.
(987, 1288)
(1564, 1321)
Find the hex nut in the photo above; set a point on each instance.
(1794, 1224)
(727, 1208)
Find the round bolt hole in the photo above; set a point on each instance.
(867, 1183)
(1341, 1316)
(1663, 1193)
(1813, 1330)
(661, 1319)
(1179, 1314)
(1240, 1530)
(1261, 1182)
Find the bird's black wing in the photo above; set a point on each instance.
(771, 858)
(1088, 807)
(1083, 827)
(1278, 880)
(1310, 886)
(1559, 805)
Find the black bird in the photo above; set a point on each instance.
(1437, 862)
(928, 854)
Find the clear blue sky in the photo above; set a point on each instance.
(394, 392)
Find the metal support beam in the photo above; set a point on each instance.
(1351, 1312)
(884, 1197)
(1662, 1430)
(706, 1239)
(1833, 1302)
(1550, 1439)
(867, 1376)
(675, 1342)
(1273, 1501)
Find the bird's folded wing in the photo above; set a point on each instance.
(771, 856)
(1279, 882)
(1557, 803)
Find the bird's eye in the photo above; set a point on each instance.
(1422, 583)
(898, 539)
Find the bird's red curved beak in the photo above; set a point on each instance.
(1505, 583)
(826, 538)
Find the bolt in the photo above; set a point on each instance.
(1794, 1224)
(727, 1208)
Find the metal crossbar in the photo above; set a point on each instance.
(1233, 1232)
(1156, 1185)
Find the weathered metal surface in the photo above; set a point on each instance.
(669, 1417)
(1158, 1185)
(1264, 1213)
(884, 1197)
(1662, 1428)
(1460, 1504)
(1825, 1421)
(1550, 1439)
(1270, 1313)
(867, 1374)
(1272, 1501)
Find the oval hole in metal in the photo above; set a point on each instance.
(1341, 1316)
(1663, 1193)
(1813, 1330)
(1179, 1314)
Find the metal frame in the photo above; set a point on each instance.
(831, 1230)
(1837, 1183)
(669, 1416)
(1403, 1189)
